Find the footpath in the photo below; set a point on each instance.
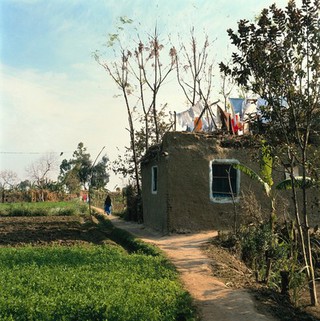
(213, 299)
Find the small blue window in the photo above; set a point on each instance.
(224, 180)
(154, 180)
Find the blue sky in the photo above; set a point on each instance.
(54, 95)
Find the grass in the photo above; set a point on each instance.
(89, 283)
(126, 239)
(43, 208)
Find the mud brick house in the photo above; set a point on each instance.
(185, 186)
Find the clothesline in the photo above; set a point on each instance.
(213, 117)
(191, 118)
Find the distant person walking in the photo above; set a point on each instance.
(107, 205)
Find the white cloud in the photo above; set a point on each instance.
(54, 112)
(71, 98)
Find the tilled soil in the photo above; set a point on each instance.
(44, 230)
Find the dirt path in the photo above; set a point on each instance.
(214, 300)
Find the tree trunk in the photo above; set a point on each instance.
(268, 270)
(132, 143)
(311, 278)
(284, 282)
(312, 281)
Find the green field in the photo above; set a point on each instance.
(88, 283)
(110, 282)
(43, 208)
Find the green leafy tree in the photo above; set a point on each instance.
(278, 58)
(80, 172)
(99, 177)
(24, 185)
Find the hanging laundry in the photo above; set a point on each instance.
(250, 109)
(237, 105)
(186, 119)
(197, 124)
(226, 120)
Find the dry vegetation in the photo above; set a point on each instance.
(227, 267)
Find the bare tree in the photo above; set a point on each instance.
(152, 74)
(195, 71)
(8, 180)
(119, 72)
(227, 85)
(40, 170)
(139, 74)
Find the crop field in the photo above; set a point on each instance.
(43, 209)
(71, 268)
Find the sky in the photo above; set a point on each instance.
(54, 95)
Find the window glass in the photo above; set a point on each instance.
(224, 180)
(154, 183)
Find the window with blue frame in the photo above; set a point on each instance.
(224, 180)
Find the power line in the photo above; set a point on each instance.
(27, 153)
(38, 153)
(33, 153)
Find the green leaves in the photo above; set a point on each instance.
(279, 57)
(125, 20)
(80, 171)
(253, 175)
(88, 283)
(298, 182)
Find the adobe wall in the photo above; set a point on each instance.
(155, 205)
(183, 200)
(190, 207)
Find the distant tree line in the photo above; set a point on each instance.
(76, 174)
